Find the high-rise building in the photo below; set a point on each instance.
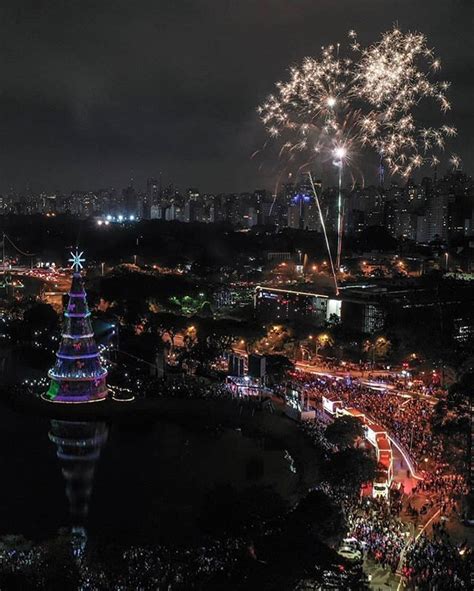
(303, 213)
(460, 191)
(190, 210)
(150, 198)
(435, 221)
(130, 201)
(156, 212)
(174, 213)
(152, 191)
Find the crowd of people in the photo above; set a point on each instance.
(428, 564)
(165, 567)
(408, 421)
(436, 564)
(443, 488)
(373, 522)
(140, 567)
(382, 534)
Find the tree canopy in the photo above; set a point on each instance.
(343, 431)
(350, 468)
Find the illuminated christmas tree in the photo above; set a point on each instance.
(77, 375)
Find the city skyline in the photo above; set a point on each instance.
(423, 210)
(140, 184)
(77, 112)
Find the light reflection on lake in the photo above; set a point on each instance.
(130, 482)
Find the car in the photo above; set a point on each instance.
(350, 553)
(353, 543)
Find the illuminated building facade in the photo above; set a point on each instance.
(275, 304)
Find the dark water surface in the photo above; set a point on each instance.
(133, 482)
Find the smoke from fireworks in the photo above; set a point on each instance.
(333, 102)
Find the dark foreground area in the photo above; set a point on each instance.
(191, 493)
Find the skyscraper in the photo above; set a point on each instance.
(151, 197)
(130, 200)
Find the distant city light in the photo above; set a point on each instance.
(302, 197)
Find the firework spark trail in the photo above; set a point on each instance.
(323, 225)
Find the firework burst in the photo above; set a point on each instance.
(312, 113)
(391, 78)
(368, 102)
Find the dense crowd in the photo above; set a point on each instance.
(141, 567)
(374, 523)
(428, 564)
(443, 488)
(408, 421)
(436, 564)
(431, 564)
(164, 567)
(382, 534)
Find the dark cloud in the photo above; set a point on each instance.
(91, 91)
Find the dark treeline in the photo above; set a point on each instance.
(170, 243)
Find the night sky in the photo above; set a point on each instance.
(95, 91)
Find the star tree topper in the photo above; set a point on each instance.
(77, 260)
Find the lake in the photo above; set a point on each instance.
(145, 481)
